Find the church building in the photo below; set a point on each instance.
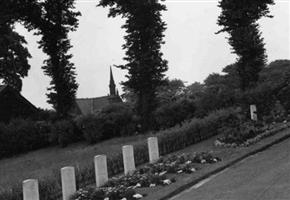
(86, 106)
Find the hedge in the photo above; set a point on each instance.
(195, 130)
(22, 135)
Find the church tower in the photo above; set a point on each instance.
(112, 84)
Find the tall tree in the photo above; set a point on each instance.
(239, 19)
(58, 19)
(13, 54)
(145, 65)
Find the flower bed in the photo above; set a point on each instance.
(150, 175)
(249, 135)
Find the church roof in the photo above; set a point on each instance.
(92, 105)
(86, 106)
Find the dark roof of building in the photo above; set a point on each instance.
(93, 105)
(17, 95)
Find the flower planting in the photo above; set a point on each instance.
(161, 173)
(248, 134)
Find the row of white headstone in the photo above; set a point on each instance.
(68, 180)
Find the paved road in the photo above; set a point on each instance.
(265, 176)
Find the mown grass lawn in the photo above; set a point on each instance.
(45, 162)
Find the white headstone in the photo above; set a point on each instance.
(101, 170)
(153, 149)
(253, 111)
(68, 182)
(30, 189)
(128, 159)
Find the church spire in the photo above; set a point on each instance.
(112, 84)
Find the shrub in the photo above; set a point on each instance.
(21, 135)
(5, 148)
(241, 132)
(195, 130)
(263, 96)
(170, 114)
(113, 121)
(118, 120)
(214, 97)
(90, 126)
(283, 96)
(44, 115)
(64, 132)
(273, 85)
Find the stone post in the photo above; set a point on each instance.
(68, 182)
(153, 149)
(101, 170)
(30, 189)
(253, 110)
(128, 159)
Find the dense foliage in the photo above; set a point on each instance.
(20, 136)
(216, 92)
(177, 102)
(271, 90)
(113, 121)
(64, 132)
(246, 133)
(13, 54)
(145, 65)
(57, 19)
(53, 20)
(173, 113)
(239, 20)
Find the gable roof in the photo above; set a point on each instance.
(92, 105)
(4, 88)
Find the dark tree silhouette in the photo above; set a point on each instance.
(13, 54)
(53, 20)
(57, 19)
(145, 65)
(239, 19)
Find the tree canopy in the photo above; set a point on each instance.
(53, 20)
(239, 19)
(58, 18)
(13, 54)
(145, 65)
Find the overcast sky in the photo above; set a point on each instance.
(192, 48)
